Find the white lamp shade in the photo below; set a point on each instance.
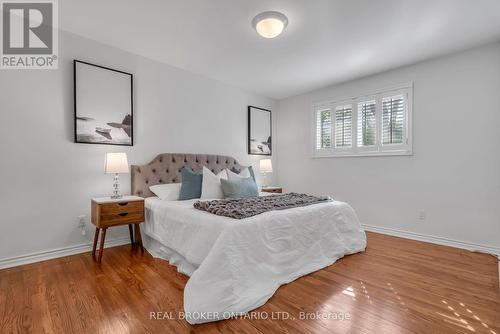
(266, 166)
(116, 163)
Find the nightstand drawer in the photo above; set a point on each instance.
(121, 218)
(110, 209)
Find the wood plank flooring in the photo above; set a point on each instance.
(396, 286)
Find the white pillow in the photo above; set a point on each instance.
(211, 187)
(244, 174)
(167, 192)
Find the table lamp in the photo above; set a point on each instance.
(265, 167)
(116, 163)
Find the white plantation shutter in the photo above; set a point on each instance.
(323, 129)
(367, 123)
(343, 126)
(393, 120)
(374, 124)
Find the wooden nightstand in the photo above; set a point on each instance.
(278, 190)
(108, 212)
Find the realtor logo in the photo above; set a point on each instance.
(29, 35)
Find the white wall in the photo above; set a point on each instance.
(454, 174)
(47, 180)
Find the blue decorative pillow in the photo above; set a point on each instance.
(191, 184)
(241, 188)
(252, 174)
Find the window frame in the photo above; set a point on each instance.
(379, 149)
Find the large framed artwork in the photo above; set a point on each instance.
(103, 105)
(259, 131)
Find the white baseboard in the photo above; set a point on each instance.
(58, 252)
(434, 240)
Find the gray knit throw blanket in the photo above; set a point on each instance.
(248, 207)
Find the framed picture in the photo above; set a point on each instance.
(103, 105)
(259, 131)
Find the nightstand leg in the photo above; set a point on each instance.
(96, 237)
(131, 234)
(101, 246)
(138, 237)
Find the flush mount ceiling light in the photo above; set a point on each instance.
(270, 24)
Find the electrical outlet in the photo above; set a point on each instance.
(82, 219)
(421, 215)
(82, 224)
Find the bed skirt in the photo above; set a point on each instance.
(159, 251)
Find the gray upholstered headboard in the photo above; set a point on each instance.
(166, 168)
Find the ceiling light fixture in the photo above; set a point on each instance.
(270, 24)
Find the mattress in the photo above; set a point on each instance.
(177, 232)
(237, 265)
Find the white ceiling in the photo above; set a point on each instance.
(326, 41)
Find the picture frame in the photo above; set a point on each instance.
(259, 131)
(103, 105)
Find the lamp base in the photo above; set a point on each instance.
(265, 185)
(116, 188)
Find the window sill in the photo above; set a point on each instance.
(362, 154)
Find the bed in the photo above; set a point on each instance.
(236, 265)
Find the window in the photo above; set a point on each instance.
(343, 126)
(323, 129)
(375, 124)
(393, 118)
(367, 123)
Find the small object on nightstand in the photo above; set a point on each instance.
(116, 163)
(108, 212)
(277, 190)
(265, 167)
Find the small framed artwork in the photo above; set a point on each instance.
(259, 131)
(103, 105)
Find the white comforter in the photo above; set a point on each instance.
(237, 265)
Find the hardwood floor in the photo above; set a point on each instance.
(396, 286)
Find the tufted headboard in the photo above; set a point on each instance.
(166, 168)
